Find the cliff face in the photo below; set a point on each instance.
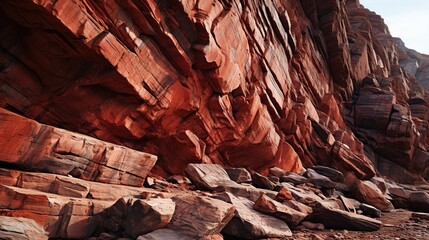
(243, 83)
(97, 95)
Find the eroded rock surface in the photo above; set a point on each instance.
(238, 83)
(97, 95)
(37, 147)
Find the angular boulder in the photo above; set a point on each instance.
(367, 194)
(15, 228)
(208, 176)
(319, 179)
(263, 182)
(136, 217)
(248, 223)
(419, 201)
(301, 195)
(273, 208)
(370, 211)
(59, 216)
(239, 175)
(198, 216)
(331, 173)
(338, 219)
(283, 195)
(294, 178)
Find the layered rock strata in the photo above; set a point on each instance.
(97, 95)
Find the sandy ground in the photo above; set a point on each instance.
(398, 225)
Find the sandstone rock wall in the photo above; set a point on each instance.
(245, 83)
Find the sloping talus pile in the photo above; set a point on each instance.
(95, 95)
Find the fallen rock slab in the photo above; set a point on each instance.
(331, 173)
(367, 194)
(263, 182)
(214, 177)
(198, 216)
(248, 223)
(294, 178)
(208, 176)
(273, 208)
(247, 191)
(145, 216)
(301, 195)
(38, 147)
(239, 175)
(135, 217)
(283, 195)
(319, 179)
(20, 229)
(59, 216)
(334, 218)
(370, 211)
(419, 201)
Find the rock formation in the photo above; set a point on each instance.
(307, 100)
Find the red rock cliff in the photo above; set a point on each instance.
(241, 83)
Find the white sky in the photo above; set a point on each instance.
(406, 19)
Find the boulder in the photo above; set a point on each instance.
(301, 195)
(300, 207)
(294, 178)
(399, 192)
(273, 208)
(283, 195)
(367, 194)
(400, 197)
(59, 216)
(263, 182)
(248, 223)
(331, 173)
(370, 211)
(136, 217)
(208, 176)
(214, 177)
(246, 191)
(17, 228)
(239, 175)
(334, 218)
(419, 201)
(198, 216)
(345, 159)
(319, 179)
(380, 183)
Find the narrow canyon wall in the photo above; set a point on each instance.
(243, 83)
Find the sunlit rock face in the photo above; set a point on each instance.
(247, 83)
